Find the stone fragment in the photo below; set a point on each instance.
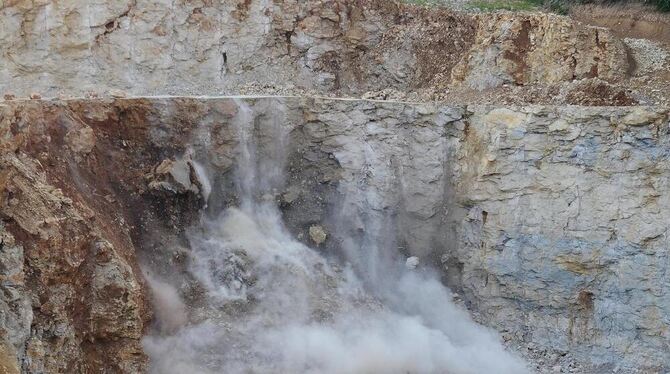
(81, 140)
(117, 94)
(174, 176)
(290, 195)
(412, 262)
(640, 116)
(318, 234)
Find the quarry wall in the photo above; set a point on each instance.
(550, 221)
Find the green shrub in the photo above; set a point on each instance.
(426, 2)
(663, 5)
(562, 6)
(557, 6)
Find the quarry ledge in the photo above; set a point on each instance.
(530, 107)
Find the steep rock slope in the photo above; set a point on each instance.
(339, 47)
(73, 297)
(550, 221)
(542, 48)
(565, 231)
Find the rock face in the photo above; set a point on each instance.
(552, 220)
(72, 297)
(345, 47)
(539, 48)
(317, 234)
(564, 229)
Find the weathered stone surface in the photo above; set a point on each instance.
(551, 220)
(67, 306)
(15, 309)
(174, 176)
(412, 262)
(565, 229)
(149, 47)
(8, 361)
(522, 49)
(317, 234)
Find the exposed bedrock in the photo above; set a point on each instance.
(342, 47)
(550, 221)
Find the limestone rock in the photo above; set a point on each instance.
(551, 219)
(117, 94)
(290, 195)
(180, 176)
(81, 140)
(15, 306)
(318, 234)
(55, 299)
(174, 176)
(528, 48)
(412, 262)
(116, 296)
(338, 47)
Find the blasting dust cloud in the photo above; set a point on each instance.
(271, 304)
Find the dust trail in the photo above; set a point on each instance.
(273, 305)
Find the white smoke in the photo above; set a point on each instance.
(274, 305)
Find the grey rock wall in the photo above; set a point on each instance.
(551, 222)
(566, 232)
(332, 47)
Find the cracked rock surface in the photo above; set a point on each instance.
(548, 221)
(319, 47)
(551, 221)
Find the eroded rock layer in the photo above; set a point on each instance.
(333, 47)
(551, 222)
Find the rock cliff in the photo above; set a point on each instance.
(548, 220)
(331, 47)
